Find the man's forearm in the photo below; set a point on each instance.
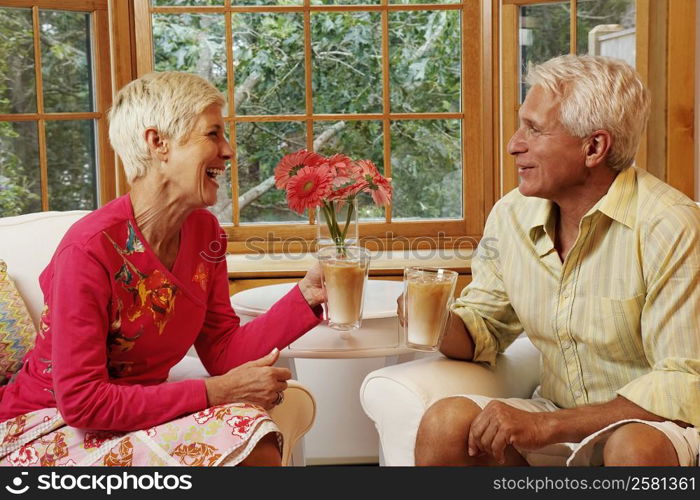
(457, 342)
(573, 425)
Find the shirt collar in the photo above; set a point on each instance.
(542, 226)
(619, 202)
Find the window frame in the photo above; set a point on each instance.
(665, 35)
(101, 82)
(477, 180)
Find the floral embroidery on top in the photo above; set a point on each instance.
(117, 343)
(133, 243)
(152, 293)
(157, 295)
(201, 276)
(43, 323)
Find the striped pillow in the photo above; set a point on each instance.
(17, 332)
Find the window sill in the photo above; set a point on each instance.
(392, 263)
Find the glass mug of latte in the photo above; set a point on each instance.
(427, 297)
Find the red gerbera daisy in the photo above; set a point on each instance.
(308, 188)
(378, 185)
(380, 188)
(290, 165)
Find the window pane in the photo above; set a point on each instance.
(20, 177)
(606, 28)
(66, 61)
(347, 75)
(544, 33)
(223, 208)
(17, 80)
(187, 2)
(191, 42)
(268, 50)
(260, 146)
(70, 149)
(426, 165)
(425, 61)
(360, 140)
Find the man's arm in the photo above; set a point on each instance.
(500, 425)
(457, 343)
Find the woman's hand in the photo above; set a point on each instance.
(311, 286)
(255, 382)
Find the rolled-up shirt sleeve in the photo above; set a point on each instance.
(670, 321)
(484, 305)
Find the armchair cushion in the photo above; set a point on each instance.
(396, 397)
(17, 332)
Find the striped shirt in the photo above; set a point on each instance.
(620, 315)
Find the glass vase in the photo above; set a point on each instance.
(337, 224)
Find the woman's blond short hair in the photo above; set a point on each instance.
(598, 93)
(168, 101)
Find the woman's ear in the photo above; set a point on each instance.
(157, 145)
(597, 147)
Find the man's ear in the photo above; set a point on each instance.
(157, 145)
(597, 147)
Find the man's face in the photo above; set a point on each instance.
(550, 161)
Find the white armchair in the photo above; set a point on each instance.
(27, 243)
(396, 397)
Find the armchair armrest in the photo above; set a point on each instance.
(396, 397)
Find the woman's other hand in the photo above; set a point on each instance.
(311, 286)
(256, 381)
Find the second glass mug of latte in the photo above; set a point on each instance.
(427, 298)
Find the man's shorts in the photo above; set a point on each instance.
(686, 441)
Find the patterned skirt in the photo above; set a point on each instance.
(220, 435)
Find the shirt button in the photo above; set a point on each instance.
(578, 394)
(566, 344)
(565, 295)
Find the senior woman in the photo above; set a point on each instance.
(131, 287)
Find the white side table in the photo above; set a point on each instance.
(377, 337)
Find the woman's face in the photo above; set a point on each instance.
(195, 163)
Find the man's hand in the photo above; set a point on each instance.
(399, 309)
(311, 286)
(500, 425)
(256, 382)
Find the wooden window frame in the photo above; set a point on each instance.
(476, 147)
(102, 85)
(665, 39)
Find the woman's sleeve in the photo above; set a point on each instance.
(224, 344)
(87, 399)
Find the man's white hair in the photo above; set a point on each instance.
(168, 101)
(598, 93)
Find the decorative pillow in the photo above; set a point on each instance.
(17, 331)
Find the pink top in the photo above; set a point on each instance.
(115, 322)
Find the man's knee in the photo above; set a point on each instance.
(444, 428)
(449, 415)
(639, 444)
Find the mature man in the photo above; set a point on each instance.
(598, 263)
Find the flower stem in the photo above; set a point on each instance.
(351, 209)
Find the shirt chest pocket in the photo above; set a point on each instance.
(614, 328)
